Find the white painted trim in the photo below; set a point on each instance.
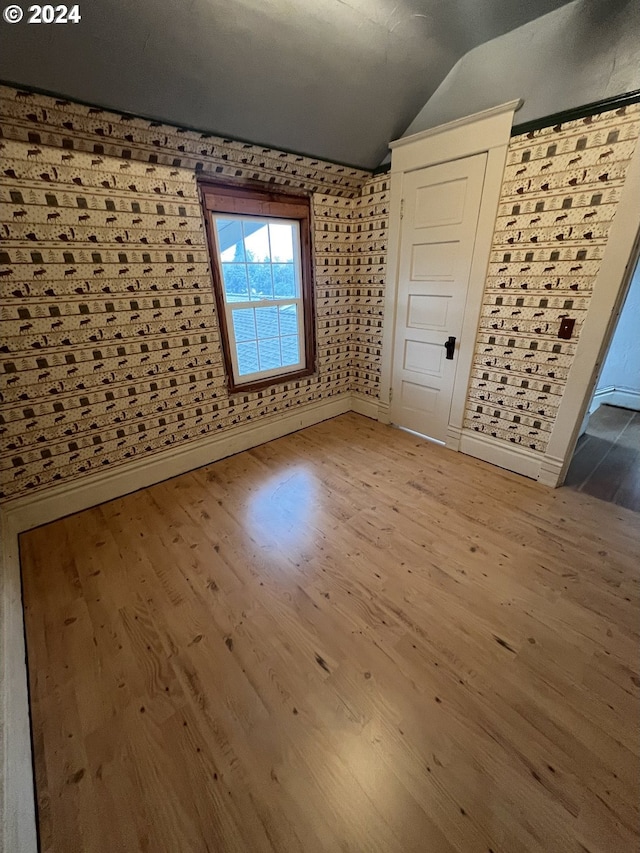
(584, 424)
(391, 289)
(76, 495)
(453, 141)
(363, 405)
(489, 132)
(489, 203)
(550, 469)
(454, 435)
(510, 106)
(383, 413)
(513, 457)
(17, 807)
(596, 401)
(627, 398)
(607, 299)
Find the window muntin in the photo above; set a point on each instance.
(261, 258)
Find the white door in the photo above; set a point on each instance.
(440, 214)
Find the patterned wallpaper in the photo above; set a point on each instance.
(559, 195)
(110, 346)
(42, 120)
(370, 220)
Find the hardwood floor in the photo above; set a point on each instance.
(606, 462)
(344, 640)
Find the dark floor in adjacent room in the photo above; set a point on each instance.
(606, 463)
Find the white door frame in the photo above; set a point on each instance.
(609, 291)
(488, 131)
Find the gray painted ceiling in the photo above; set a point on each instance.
(337, 79)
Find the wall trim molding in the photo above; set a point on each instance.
(486, 132)
(18, 832)
(363, 405)
(550, 469)
(609, 291)
(513, 457)
(454, 434)
(573, 113)
(44, 506)
(491, 112)
(626, 398)
(383, 412)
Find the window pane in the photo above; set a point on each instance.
(290, 350)
(267, 322)
(284, 281)
(236, 288)
(256, 241)
(281, 236)
(244, 325)
(269, 354)
(260, 279)
(260, 286)
(288, 319)
(229, 234)
(247, 358)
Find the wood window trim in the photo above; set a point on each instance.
(258, 201)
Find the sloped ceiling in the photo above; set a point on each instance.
(337, 79)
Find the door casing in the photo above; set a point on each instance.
(488, 131)
(607, 298)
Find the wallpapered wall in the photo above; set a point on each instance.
(559, 195)
(369, 222)
(110, 345)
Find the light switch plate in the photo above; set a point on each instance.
(566, 328)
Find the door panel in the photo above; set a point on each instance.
(433, 261)
(428, 311)
(440, 204)
(437, 239)
(423, 357)
(418, 398)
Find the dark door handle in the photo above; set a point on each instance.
(450, 346)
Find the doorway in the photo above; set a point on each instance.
(606, 460)
(441, 205)
(445, 183)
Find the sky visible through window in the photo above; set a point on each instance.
(259, 260)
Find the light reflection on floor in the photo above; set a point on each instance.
(280, 510)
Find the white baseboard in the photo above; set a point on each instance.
(454, 434)
(626, 398)
(366, 406)
(598, 399)
(550, 471)
(17, 806)
(383, 412)
(57, 501)
(513, 457)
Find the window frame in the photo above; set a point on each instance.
(246, 200)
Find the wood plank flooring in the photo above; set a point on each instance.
(344, 640)
(606, 462)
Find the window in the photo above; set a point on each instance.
(260, 247)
